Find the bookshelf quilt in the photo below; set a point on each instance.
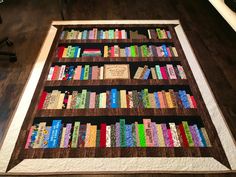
(117, 96)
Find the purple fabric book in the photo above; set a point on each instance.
(198, 135)
(194, 136)
(154, 130)
(165, 134)
(117, 134)
(67, 135)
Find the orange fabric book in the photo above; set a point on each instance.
(162, 104)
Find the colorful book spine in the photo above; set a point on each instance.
(188, 134)
(54, 134)
(142, 136)
(75, 135)
(122, 133)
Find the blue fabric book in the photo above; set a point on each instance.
(129, 136)
(126, 51)
(82, 74)
(76, 52)
(184, 99)
(202, 137)
(146, 74)
(157, 100)
(164, 50)
(71, 73)
(84, 34)
(54, 134)
(114, 101)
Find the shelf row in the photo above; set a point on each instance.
(115, 98)
(60, 134)
(135, 50)
(115, 59)
(116, 71)
(95, 33)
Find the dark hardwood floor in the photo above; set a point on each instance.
(212, 39)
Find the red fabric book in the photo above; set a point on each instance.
(112, 51)
(170, 138)
(60, 51)
(193, 101)
(120, 36)
(103, 135)
(163, 72)
(42, 99)
(55, 72)
(185, 141)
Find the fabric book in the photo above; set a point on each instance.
(75, 135)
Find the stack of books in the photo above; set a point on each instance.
(159, 34)
(116, 99)
(94, 34)
(140, 51)
(120, 134)
(91, 53)
(68, 52)
(79, 72)
(160, 72)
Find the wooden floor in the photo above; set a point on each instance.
(212, 39)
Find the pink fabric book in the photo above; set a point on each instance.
(190, 101)
(163, 72)
(171, 71)
(193, 101)
(161, 99)
(168, 51)
(159, 53)
(94, 72)
(112, 51)
(171, 142)
(29, 137)
(148, 132)
(77, 73)
(92, 100)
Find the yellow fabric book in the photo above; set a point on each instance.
(105, 51)
(169, 101)
(64, 53)
(60, 101)
(102, 100)
(68, 106)
(87, 136)
(63, 137)
(152, 100)
(93, 135)
(123, 100)
(160, 136)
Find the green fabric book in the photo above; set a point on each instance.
(78, 100)
(86, 72)
(122, 133)
(142, 137)
(87, 100)
(68, 51)
(188, 133)
(146, 99)
(98, 139)
(72, 52)
(158, 30)
(75, 135)
(134, 135)
(132, 49)
(144, 50)
(83, 99)
(111, 34)
(113, 136)
(158, 71)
